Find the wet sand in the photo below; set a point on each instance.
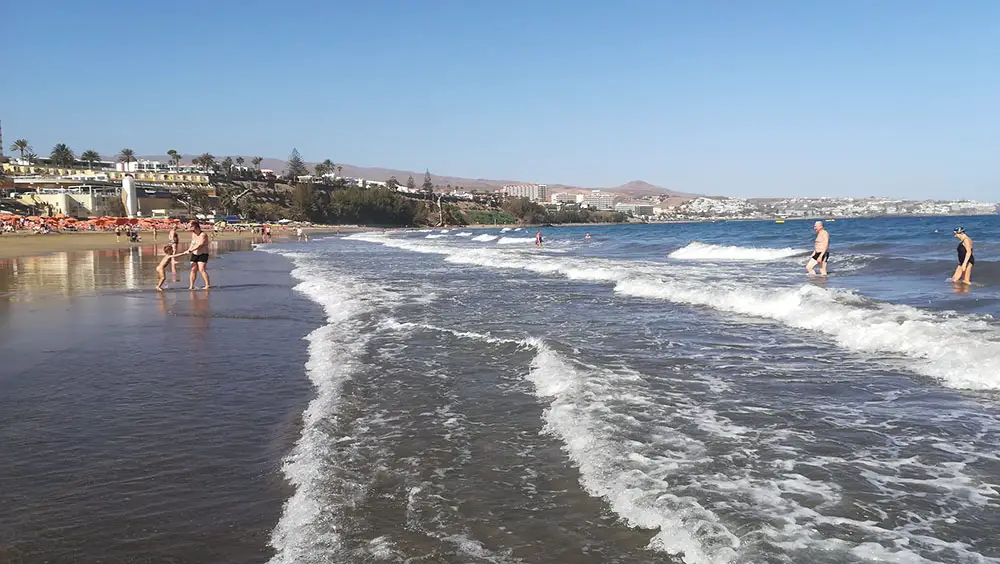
(29, 244)
(139, 426)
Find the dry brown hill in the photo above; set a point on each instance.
(633, 189)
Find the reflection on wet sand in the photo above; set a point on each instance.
(202, 315)
(164, 307)
(77, 273)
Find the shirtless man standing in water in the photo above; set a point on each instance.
(821, 250)
(199, 254)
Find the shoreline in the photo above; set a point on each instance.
(20, 245)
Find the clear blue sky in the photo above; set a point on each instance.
(793, 97)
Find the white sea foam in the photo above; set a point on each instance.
(661, 482)
(303, 533)
(471, 547)
(434, 236)
(960, 350)
(515, 240)
(464, 234)
(485, 238)
(633, 485)
(705, 251)
(577, 416)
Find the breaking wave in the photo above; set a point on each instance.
(961, 351)
(515, 240)
(706, 251)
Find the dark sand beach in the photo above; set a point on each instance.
(138, 426)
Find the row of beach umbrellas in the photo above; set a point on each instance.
(62, 221)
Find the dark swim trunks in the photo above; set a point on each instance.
(816, 256)
(199, 258)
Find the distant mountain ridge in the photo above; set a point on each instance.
(633, 189)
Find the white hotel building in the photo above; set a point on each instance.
(598, 200)
(534, 192)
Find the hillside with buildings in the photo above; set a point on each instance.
(258, 188)
(634, 188)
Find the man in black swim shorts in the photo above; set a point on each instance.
(199, 254)
(821, 250)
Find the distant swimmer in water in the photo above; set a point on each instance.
(587, 236)
(538, 239)
(965, 258)
(821, 250)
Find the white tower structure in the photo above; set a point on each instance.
(129, 197)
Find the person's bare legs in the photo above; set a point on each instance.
(161, 277)
(194, 273)
(204, 274)
(958, 274)
(822, 268)
(968, 274)
(810, 265)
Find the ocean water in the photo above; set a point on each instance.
(657, 393)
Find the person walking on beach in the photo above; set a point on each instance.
(199, 254)
(538, 239)
(821, 250)
(175, 240)
(965, 258)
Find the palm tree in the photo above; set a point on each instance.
(175, 157)
(239, 164)
(329, 166)
(62, 155)
(22, 146)
(227, 167)
(126, 156)
(207, 161)
(256, 162)
(89, 157)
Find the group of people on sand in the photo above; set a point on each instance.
(821, 253)
(198, 249)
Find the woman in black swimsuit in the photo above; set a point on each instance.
(965, 258)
